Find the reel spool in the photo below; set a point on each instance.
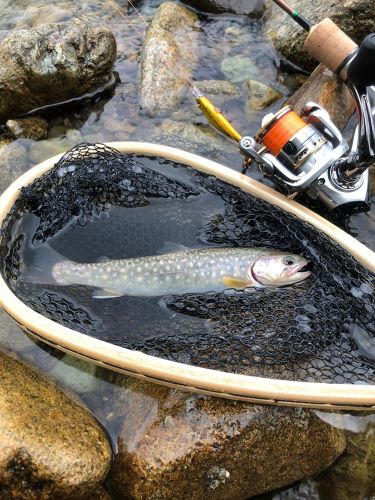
(290, 139)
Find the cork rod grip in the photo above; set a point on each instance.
(329, 45)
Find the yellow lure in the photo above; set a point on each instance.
(216, 118)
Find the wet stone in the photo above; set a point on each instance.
(217, 476)
(239, 68)
(218, 88)
(54, 63)
(33, 127)
(13, 163)
(306, 490)
(5, 140)
(181, 445)
(173, 28)
(76, 374)
(260, 96)
(352, 477)
(51, 446)
(33, 16)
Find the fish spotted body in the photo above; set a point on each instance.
(190, 271)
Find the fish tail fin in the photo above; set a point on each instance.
(46, 267)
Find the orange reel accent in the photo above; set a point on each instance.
(282, 131)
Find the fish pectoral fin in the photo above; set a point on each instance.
(106, 293)
(171, 247)
(103, 258)
(233, 282)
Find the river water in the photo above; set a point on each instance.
(117, 116)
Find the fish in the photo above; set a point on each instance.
(184, 271)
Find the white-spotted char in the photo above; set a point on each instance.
(187, 271)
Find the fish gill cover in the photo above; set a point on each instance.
(320, 330)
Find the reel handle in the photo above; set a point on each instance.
(361, 77)
(361, 70)
(356, 66)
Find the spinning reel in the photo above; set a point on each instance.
(306, 152)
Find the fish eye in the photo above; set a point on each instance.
(289, 260)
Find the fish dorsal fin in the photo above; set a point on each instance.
(106, 293)
(171, 247)
(233, 282)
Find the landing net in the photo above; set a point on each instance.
(321, 330)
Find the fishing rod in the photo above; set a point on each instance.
(305, 151)
(294, 14)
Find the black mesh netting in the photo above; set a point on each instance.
(303, 332)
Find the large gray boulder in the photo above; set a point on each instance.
(169, 56)
(252, 8)
(355, 17)
(50, 445)
(53, 63)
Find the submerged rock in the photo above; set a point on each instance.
(12, 338)
(5, 141)
(33, 127)
(51, 447)
(352, 477)
(252, 8)
(76, 374)
(189, 132)
(51, 64)
(260, 96)
(218, 88)
(178, 445)
(306, 490)
(15, 341)
(13, 163)
(355, 17)
(239, 68)
(34, 16)
(328, 90)
(43, 150)
(220, 92)
(169, 56)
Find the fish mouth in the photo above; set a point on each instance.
(297, 273)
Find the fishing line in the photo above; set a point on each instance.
(211, 112)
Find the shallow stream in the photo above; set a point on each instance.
(116, 116)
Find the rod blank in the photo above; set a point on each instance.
(294, 14)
